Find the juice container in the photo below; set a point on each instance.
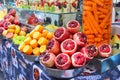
(97, 20)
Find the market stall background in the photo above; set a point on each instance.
(15, 66)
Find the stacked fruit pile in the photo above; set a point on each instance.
(68, 48)
(9, 19)
(36, 41)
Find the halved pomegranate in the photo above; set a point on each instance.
(78, 59)
(90, 51)
(6, 24)
(62, 61)
(73, 26)
(1, 30)
(48, 59)
(105, 50)
(61, 34)
(12, 12)
(68, 46)
(53, 46)
(80, 38)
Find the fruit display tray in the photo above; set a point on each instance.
(103, 65)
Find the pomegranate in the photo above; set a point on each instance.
(90, 51)
(78, 59)
(9, 35)
(6, 24)
(73, 26)
(61, 34)
(53, 46)
(24, 28)
(80, 38)
(62, 61)
(68, 46)
(104, 50)
(9, 18)
(12, 12)
(1, 30)
(16, 22)
(48, 59)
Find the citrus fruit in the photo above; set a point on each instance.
(33, 43)
(42, 41)
(28, 49)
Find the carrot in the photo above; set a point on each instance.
(91, 40)
(90, 36)
(94, 22)
(102, 16)
(91, 26)
(103, 10)
(95, 11)
(87, 32)
(103, 23)
(88, 3)
(98, 2)
(88, 25)
(87, 8)
(97, 39)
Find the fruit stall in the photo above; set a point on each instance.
(59, 40)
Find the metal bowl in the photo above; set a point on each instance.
(64, 74)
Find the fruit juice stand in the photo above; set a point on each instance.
(16, 65)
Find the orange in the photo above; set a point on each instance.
(49, 35)
(27, 40)
(28, 49)
(36, 35)
(27, 35)
(21, 46)
(44, 33)
(42, 48)
(36, 51)
(32, 32)
(11, 30)
(33, 43)
(12, 26)
(42, 41)
(22, 33)
(39, 28)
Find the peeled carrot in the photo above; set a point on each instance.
(95, 11)
(96, 26)
(103, 23)
(87, 8)
(98, 2)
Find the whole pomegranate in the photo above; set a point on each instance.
(73, 26)
(105, 50)
(62, 61)
(78, 59)
(48, 59)
(53, 46)
(61, 34)
(68, 46)
(80, 38)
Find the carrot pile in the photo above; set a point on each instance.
(97, 21)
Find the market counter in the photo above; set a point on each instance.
(15, 66)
